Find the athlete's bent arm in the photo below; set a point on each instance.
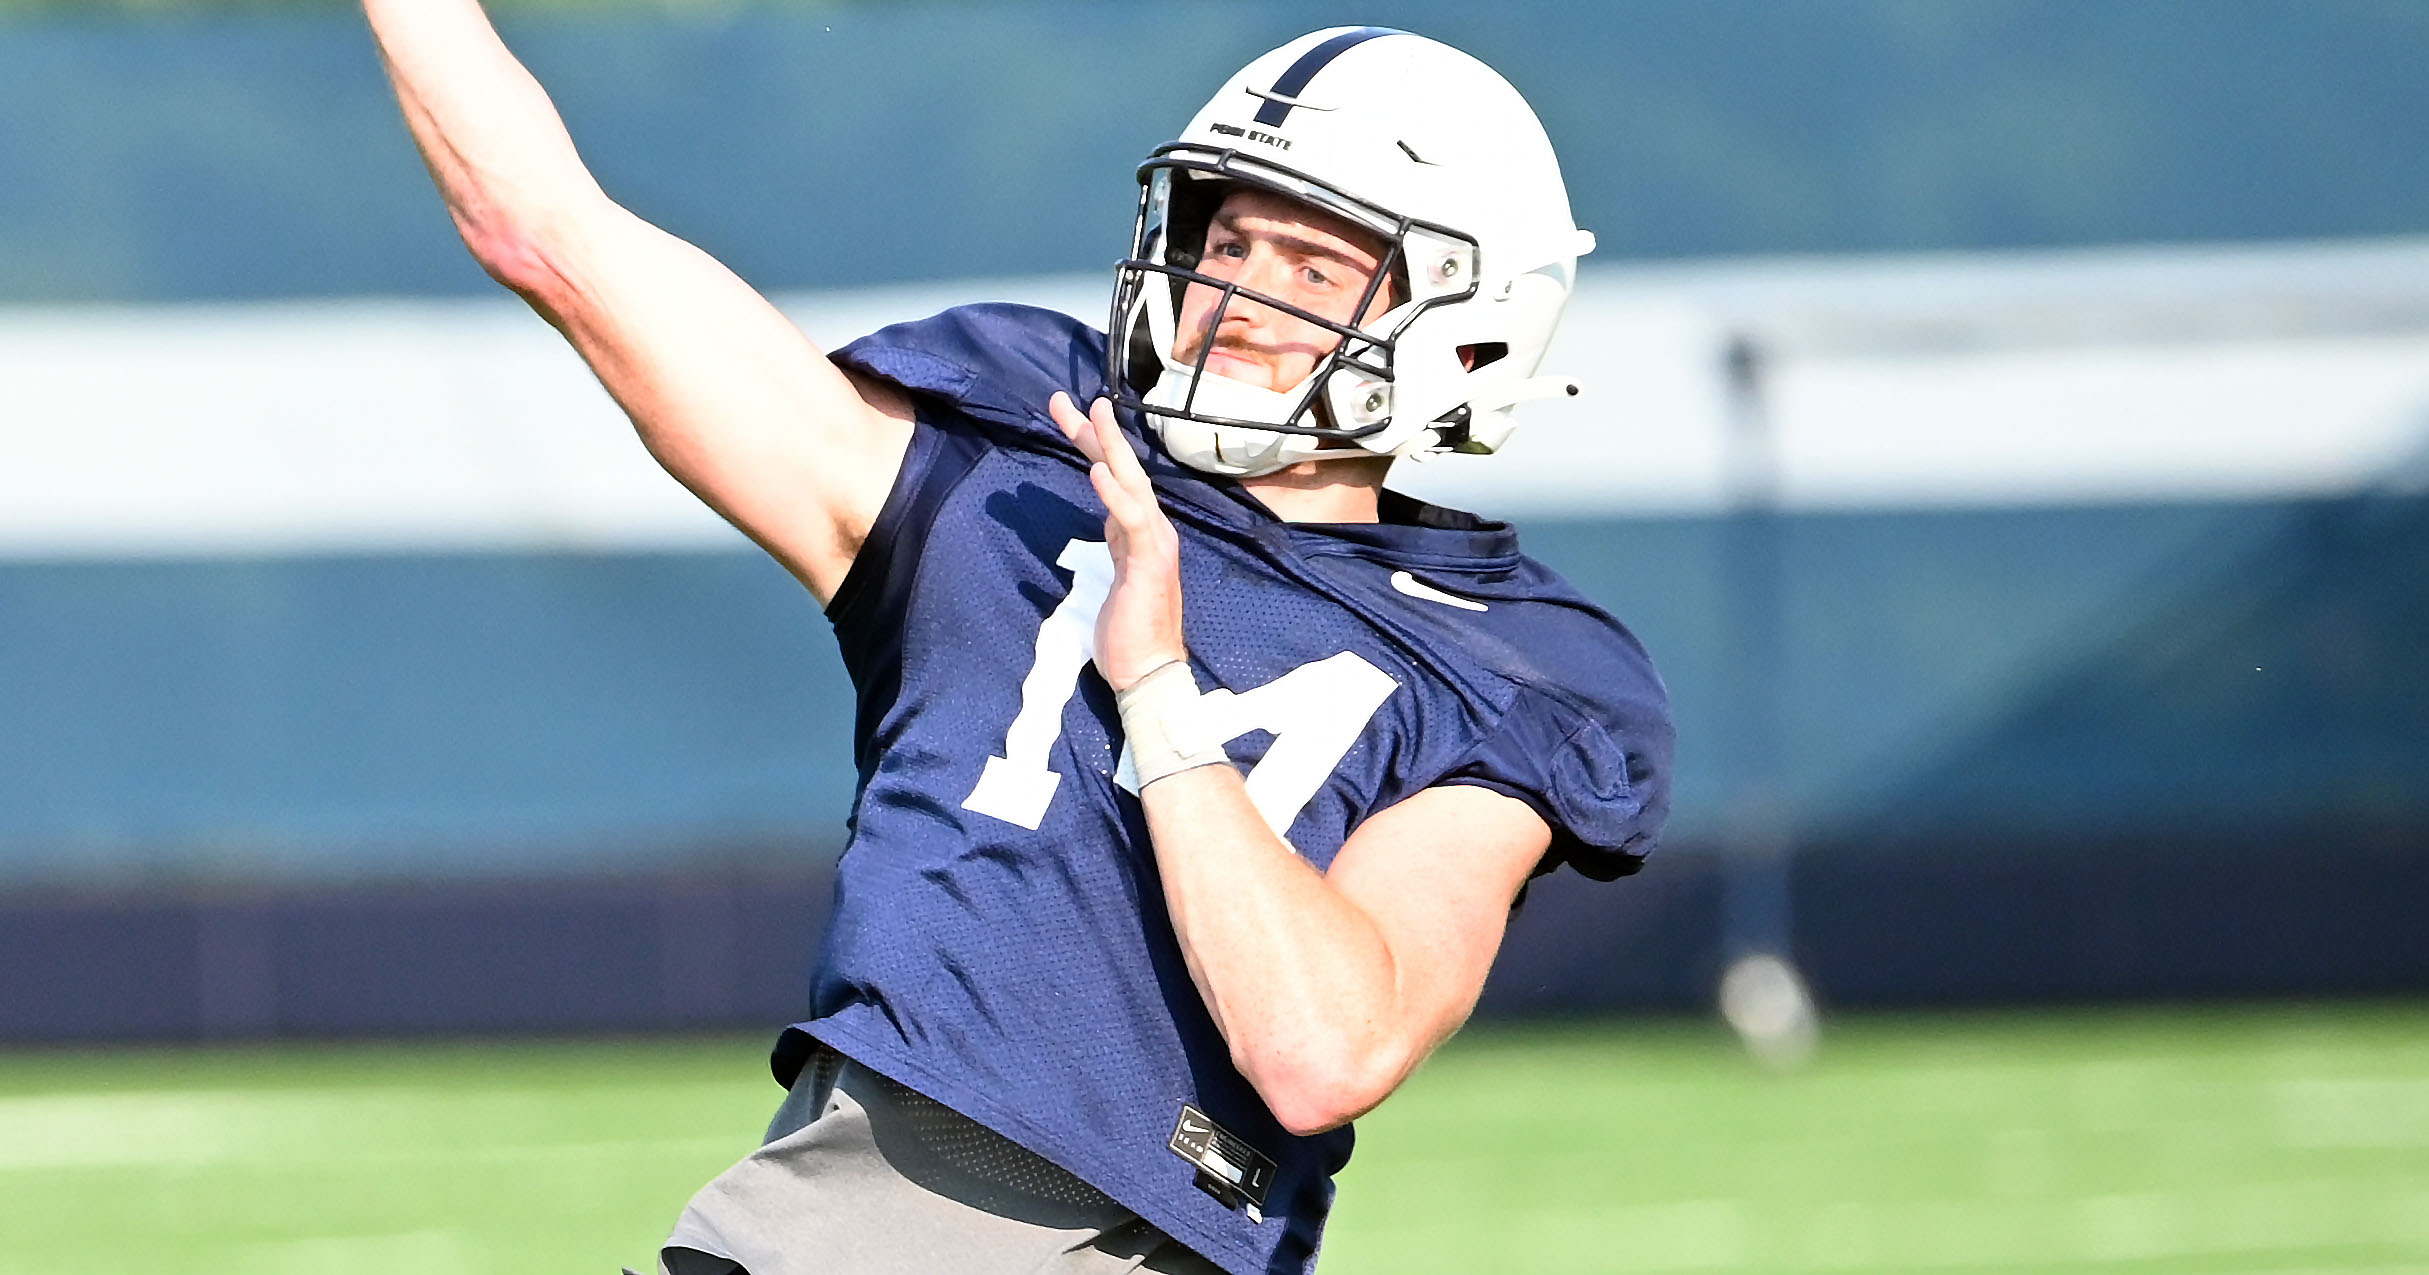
(1328, 987)
(726, 393)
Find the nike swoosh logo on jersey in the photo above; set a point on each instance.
(1417, 588)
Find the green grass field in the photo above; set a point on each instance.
(2286, 1139)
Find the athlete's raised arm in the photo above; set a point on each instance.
(726, 392)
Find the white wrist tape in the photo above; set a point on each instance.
(1161, 718)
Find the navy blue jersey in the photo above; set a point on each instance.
(999, 940)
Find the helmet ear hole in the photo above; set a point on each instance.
(1483, 354)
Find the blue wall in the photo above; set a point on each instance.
(2100, 672)
(441, 715)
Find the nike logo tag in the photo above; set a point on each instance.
(1233, 1172)
(1417, 588)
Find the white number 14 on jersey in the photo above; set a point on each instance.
(1314, 712)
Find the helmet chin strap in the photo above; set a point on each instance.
(1245, 451)
(1222, 449)
(1337, 451)
(1248, 453)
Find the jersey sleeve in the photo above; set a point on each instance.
(997, 363)
(1598, 774)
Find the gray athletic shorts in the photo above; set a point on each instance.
(861, 1176)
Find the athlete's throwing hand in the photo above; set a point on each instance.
(1139, 629)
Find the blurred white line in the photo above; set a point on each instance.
(392, 425)
(403, 1253)
(173, 1128)
(2352, 1113)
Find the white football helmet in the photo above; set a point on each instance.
(1433, 152)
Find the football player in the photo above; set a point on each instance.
(1198, 770)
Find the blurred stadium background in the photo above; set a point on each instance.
(2008, 426)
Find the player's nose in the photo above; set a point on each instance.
(1265, 274)
(1278, 275)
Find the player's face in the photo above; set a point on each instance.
(1286, 250)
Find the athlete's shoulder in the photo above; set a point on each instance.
(996, 361)
(1522, 616)
(1573, 638)
(1586, 736)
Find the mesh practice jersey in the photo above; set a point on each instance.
(999, 940)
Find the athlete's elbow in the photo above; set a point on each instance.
(1311, 1093)
(526, 238)
(512, 251)
(1315, 1109)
